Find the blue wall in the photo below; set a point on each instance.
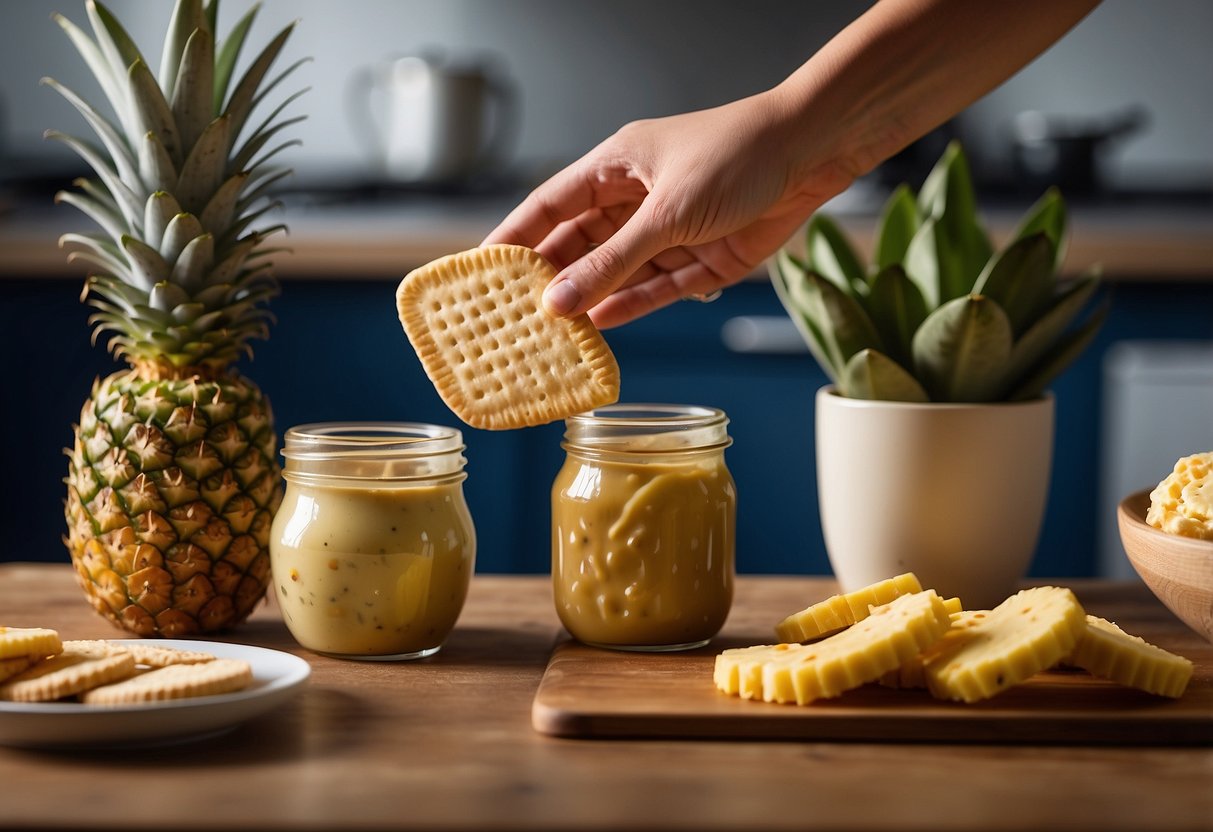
(337, 353)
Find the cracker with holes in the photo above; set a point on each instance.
(80, 666)
(175, 681)
(497, 359)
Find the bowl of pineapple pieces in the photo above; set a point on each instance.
(1167, 533)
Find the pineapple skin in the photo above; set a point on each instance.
(172, 487)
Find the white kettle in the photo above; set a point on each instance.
(431, 120)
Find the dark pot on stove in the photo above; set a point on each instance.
(1067, 152)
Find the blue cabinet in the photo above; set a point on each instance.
(338, 353)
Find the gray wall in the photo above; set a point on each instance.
(586, 67)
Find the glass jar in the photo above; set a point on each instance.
(643, 527)
(373, 548)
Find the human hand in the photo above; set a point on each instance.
(675, 207)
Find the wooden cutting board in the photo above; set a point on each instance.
(589, 692)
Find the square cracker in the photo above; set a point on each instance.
(498, 360)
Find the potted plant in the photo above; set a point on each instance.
(934, 440)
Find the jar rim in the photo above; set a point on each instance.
(658, 416)
(370, 440)
(648, 428)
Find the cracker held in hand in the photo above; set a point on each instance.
(498, 360)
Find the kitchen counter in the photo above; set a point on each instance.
(385, 237)
(448, 743)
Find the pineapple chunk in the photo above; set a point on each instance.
(841, 611)
(1105, 650)
(19, 642)
(890, 635)
(910, 673)
(1030, 631)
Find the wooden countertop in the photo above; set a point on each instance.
(379, 240)
(447, 743)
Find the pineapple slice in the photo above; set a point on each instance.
(1030, 631)
(890, 635)
(1105, 650)
(841, 611)
(910, 673)
(738, 671)
(20, 642)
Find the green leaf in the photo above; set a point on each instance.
(899, 222)
(961, 350)
(115, 143)
(1020, 279)
(897, 309)
(941, 269)
(1060, 357)
(146, 265)
(259, 183)
(177, 235)
(227, 268)
(790, 282)
(112, 84)
(96, 189)
(831, 255)
(116, 45)
(152, 110)
(1041, 337)
(205, 167)
(159, 211)
(187, 313)
(269, 86)
(872, 375)
(210, 9)
(1047, 215)
(157, 171)
(187, 18)
(191, 269)
(95, 249)
(165, 297)
(845, 326)
(104, 214)
(947, 197)
(221, 210)
(229, 52)
(948, 184)
(191, 100)
(239, 225)
(257, 141)
(241, 102)
(128, 203)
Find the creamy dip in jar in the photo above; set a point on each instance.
(643, 527)
(373, 547)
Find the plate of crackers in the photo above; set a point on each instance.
(56, 693)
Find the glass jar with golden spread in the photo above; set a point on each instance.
(373, 548)
(643, 527)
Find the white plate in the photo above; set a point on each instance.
(276, 677)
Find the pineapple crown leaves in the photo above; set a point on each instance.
(940, 315)
(182, 173)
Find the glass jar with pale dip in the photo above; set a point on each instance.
(373, 547)
(643, 527)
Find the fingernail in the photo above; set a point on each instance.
(561, 298)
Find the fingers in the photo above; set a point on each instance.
(588, 280)
(660, 290)
(563, 197)
(584, 185)
(573, 238)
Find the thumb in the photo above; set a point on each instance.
(602, 270)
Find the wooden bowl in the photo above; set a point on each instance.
(1179, 570)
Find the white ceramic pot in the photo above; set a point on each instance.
(952, 492)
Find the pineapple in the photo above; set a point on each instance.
(173, 478)
(939, 315)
